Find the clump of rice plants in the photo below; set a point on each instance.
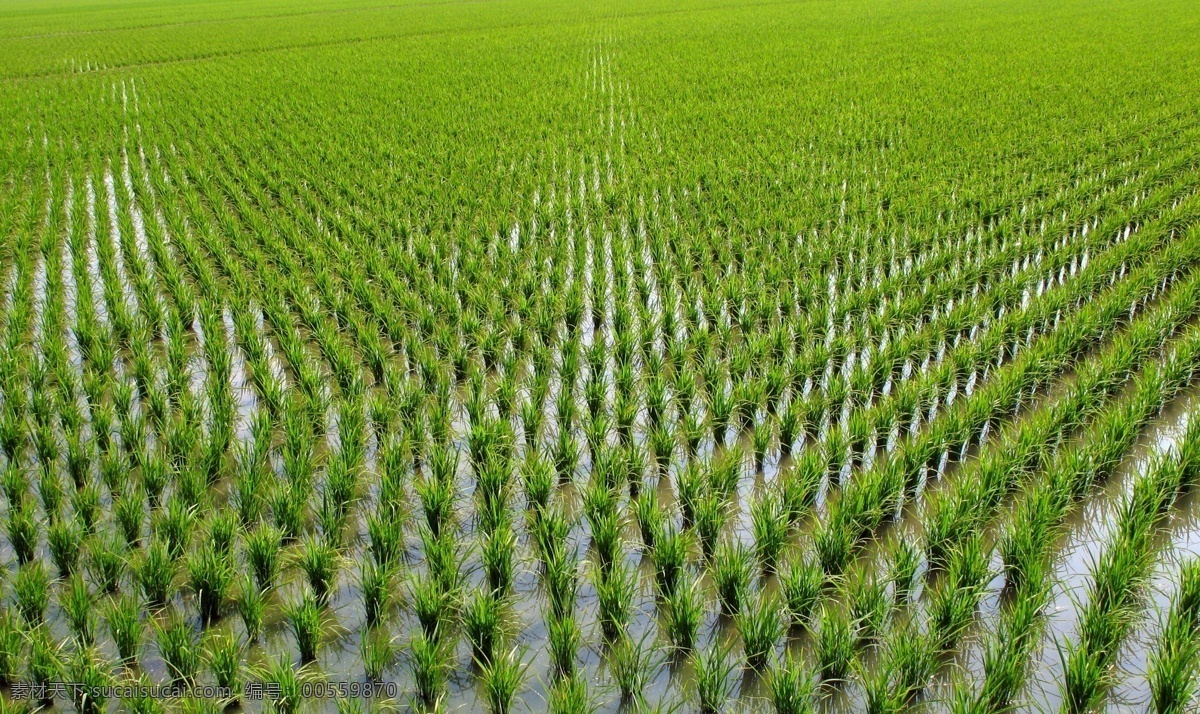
(502, 678)
(714, 678)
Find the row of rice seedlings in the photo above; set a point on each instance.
(977, 494)
(1119, 575)
(1025, 542)
(962, 560)
(1174, 661)
(878, 491)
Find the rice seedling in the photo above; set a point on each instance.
(224, 658)
(288, 679)
(89, 674)
(12, 647)
(483, 624)
(682, 613)
(307, 625)
(78, 606)
(320, 563)
(732, 572)
(633, 664)
(801, 584)
(834, 645)
(1175, 660)
(564, 638)
(502, 678)
(761, 628)
(31, 591)
(769, 524)
(65, 540)
(429, 663)
(377, 651)
(178, 647)
(669, 556)
(106, 562)
(569, 695)
(122, 619)
(714, 678)
(210, 578)
(251, 607)
(560, 580)
(790, 686)
(155, 572)
(615, 588)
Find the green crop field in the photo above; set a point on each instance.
(617, 356)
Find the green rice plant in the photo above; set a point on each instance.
(714, 678)
(251, 607)
(870, 606)
(483, 624)
(565, 638)
(430, 603)
(502, 678)
(1174, 663)
(31, 591)
(289, 679)
(769, 524)
(307, 624)
(669, 556)
(178, 647)
(615, 588)
(834, 646)
(85, 502)
(801, 583)
(444, 558)
(903, 559)
(320, 563)
(386, 533)
(128, 511)
(123, 620)
(224, 658)
(209, 577)
(569, 695)
(682, 613)
(89, 674)
(560, 581)
(761, 439)
(154, 571)
(799, 486)
(23, 532)
(377, 651)
(790, 686)
(732, 572)
(262, 554)
(537, 478)
(106, 562)
(761, 628)
(79, 607)
(497, 555)
(45, 664)
(649, 516)
(175, 526)
(430, 659)
(50, 489)
(12, 647)
(376, 583)
(633, 665)
(222, 529)
(65, 539)
(712, 512)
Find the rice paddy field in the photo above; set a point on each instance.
(657, 356)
